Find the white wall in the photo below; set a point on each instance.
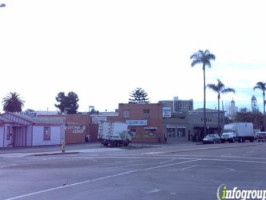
(28, 141)
(38, 132)
(1, 136)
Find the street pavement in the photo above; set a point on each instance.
(141, 171)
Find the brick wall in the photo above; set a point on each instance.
(155, 119)
(77, 127)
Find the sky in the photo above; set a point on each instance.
(104, 49)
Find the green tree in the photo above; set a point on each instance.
(220, 89)
(204, 58)
(138, 96)
(67, 104)
(254, 117)
(262, 86)
(12, 102)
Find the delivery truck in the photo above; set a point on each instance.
(113, 134)
(240, 130)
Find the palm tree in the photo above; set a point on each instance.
(12, 102)
(262, 87)
(220, 89)
(204, 58)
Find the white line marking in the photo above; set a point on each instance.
(183, 169)
(154, 191)
(230, 169)
(167, 161)
(241, 161)
(101, 178)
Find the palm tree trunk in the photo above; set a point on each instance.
(264, 110)
(219, 129)
(204, 101)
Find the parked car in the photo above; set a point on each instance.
(229, 137)
(211, 139)
(261, 136)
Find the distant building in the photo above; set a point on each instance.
(232, 110)
(254, 104)
(177, 105)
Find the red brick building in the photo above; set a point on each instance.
(76, 127)
(145, 121)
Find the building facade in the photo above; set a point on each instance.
(189, 126)
(145, 121)
(18, 130)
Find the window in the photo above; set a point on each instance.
(47, 133)
(133, 132)
(126, 113)
(146, 113)
(181, 132)
(8, 134)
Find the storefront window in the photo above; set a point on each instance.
(133, 133)
(170, 132)
(181, 132)
(150, 131)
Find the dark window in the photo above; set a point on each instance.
(146, 113)
(126, 113)
(47, 133)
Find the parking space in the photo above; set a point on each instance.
(162, 172)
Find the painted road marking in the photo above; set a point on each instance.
(101, 178)
(183, 169)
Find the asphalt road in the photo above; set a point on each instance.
(177, 171)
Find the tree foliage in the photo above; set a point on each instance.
(67, 104)
(254, 117)
(138, 96)
(219, 88)
(12, 102)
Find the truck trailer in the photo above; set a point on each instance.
(113, 134)
(242, 130)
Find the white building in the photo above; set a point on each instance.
(18, 130)
(232, 110)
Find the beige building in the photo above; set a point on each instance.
(188, 126)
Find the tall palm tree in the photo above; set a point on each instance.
(219, 89)
(262, 86)
(12, 102)
(204, 58)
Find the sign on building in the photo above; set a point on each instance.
(167, 112)
(98, 119)
(136, 122)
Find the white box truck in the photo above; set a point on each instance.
(242, 130)
(113, 133)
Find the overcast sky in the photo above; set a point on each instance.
(104, 49)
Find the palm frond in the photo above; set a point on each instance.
(227, 90)
(260, 85)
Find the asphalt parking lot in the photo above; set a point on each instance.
(176, 171)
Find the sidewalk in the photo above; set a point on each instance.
(71, 148)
